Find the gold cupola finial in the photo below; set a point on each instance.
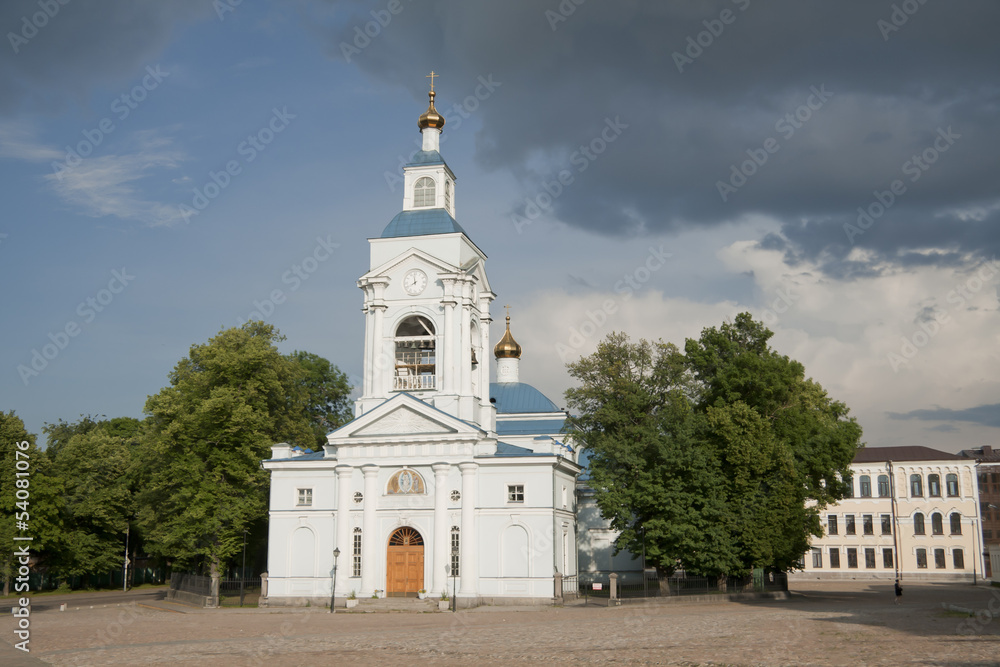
(507, 348)
(431, 118)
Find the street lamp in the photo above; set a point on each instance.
(333, 585)
(454, 578)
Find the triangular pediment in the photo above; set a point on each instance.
(404, 421)
(427, 259)
(404, 417)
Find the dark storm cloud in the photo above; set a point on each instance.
(987, 415)
(873, 98)
(53, 51)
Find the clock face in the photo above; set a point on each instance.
(414, 282)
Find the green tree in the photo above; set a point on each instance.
(228, 401)
(328, 394)
(39, 511)
(707, 459)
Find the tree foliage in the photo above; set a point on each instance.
(228, 401)
(327, 394)
(706, 459)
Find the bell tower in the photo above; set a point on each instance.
(426, 296)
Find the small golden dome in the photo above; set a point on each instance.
(431, 118)
(507, 348)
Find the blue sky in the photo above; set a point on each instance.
(742, 162)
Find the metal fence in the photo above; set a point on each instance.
(191, 583)
(233, 594)
(651, 587)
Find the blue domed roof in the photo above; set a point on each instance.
(513, 397)
(421, 223)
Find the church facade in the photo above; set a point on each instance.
(443, 481)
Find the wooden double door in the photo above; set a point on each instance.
(404, 563)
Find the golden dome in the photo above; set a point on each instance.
(431, 118)
(507, 348)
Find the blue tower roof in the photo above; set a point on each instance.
(421, 223)
(512, 397)
(421, 158)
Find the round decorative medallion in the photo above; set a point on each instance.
(455, 496)
(358, 496)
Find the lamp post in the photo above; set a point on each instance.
(454, 579)
(333, 584)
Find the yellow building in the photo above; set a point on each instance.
(913, 513)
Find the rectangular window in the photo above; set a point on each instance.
(817, 558)
(866, 486)
(886, 524)
(956, 523)
(849, 525)
(922, 559)
(959, 557)
(305, 497)
(883, 486)
(951, 482)
(515, 493)
(939, 558)
(565, 498)
(455, 545)
(356, 564)
(852, 557)
(870, 558)
(867, 525)
(934, 485)
(849, 487)
(834, 557)
(887, 558)
(831, 524)
(916, 486)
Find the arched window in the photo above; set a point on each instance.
(455, 550)
(918, 524)
(356, 565)
(416, 361)
(405, 482)
(956, 523)
(916, 486)
(934, 486)
(423, 192)
(866, 486)
(848, 487)
(447, 195)
(951, 481)
(883, 486)
(937, 524)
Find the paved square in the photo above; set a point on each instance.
(824, 624)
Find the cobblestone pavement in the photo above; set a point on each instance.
(824, 624)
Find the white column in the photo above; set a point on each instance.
(465, 353)
(380, 366)
(370, 556)
(442, 533)
(447, 358)
(366, 373)
(468, 565)
(343, 535)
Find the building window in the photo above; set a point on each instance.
(886, 524)
(305, 498)
(831, 524)
(956, 523)
(870, 558)
(939, 559)
(887, 558)
(423, 192)
(848, 487)
(916, 486)
(416, 362)
(455, 553)
(515, 493)
(918, 524)
(817, 558)
(356, 569)
(883, 486)
(984, 510)
(937, 524)
(867, 524)
(447, 195)
(934, 486)
(951, 481)
(852, 557)
(849, 524)
(865, 486)
(922, 559)
(834, 557)
(958, 557)
(988, 534)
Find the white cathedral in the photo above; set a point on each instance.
(441, 473)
